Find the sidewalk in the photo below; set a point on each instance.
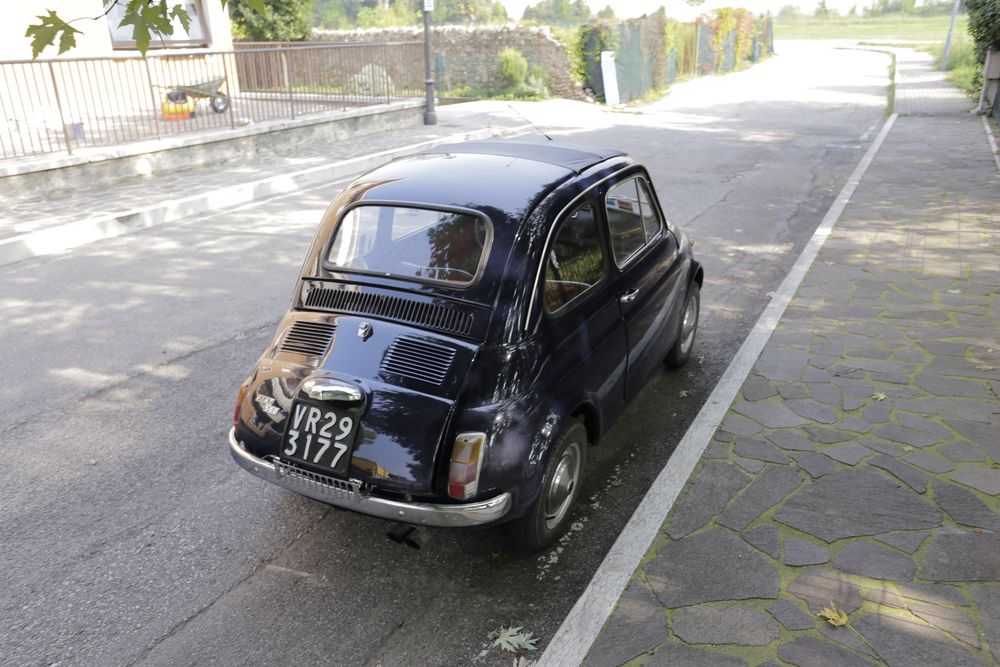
(859, 465)
(41, 226)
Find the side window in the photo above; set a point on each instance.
(632, 218)
(650, 218)
(624, 220)
(576, 261)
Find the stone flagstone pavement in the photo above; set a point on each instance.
(859, 467)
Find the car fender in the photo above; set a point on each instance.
(548, 424)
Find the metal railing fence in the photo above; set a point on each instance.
(62, 105)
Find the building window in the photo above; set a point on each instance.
(197, 34)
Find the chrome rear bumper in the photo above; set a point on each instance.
(346, 494)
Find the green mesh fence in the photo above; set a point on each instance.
(653, 52)
(635, 73)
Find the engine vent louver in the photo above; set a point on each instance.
(433, 316)
(309, 338)
(418, 359)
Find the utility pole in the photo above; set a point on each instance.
(430, 118)
(947, 41)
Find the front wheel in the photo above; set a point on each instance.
(549, 515)
(681, 350)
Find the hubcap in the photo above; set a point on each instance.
(562, 487)
(689, 325)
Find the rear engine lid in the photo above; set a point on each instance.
(407, 379)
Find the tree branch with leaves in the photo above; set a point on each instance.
(149, 19)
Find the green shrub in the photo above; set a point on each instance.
(570, 37)
(534, 84)
(595, 37)
(513, 67)
(984, 25)
(964, 69)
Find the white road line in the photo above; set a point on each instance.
(581, 626)
(993, 141)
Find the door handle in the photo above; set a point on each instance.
(629, 296)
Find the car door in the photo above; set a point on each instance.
(646, 257)
(581, 314)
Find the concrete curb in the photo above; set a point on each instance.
(74, 234)
(992, 140)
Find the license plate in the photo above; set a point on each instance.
(321, 435)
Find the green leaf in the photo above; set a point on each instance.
(149, 18)
(158, 18)
(140, 31)
(179, 13)
(256, 5)
(514, 640)
(44, 34)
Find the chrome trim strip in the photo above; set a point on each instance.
(346, 494)
(331, 390)
(548, 239)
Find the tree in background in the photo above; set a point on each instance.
(277, 20)
(347, 14)
(468, 11)
(389, 14)
(608, 13)
(558, 12)
(336, 14)
(822, 11)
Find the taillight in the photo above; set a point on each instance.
(240, 395)
(466, 461)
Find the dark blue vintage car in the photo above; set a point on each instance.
(469, 321)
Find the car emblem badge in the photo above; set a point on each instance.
(364, 331)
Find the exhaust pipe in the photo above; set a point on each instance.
(414, 537)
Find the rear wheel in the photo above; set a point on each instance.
(548, 517)
(681, 350)
(219, 103)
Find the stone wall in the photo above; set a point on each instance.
(467, 56)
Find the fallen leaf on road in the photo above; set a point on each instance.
(515, 640)
(832, 615)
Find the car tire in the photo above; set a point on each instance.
(548, 517)
(681, 350)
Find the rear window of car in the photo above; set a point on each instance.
(428, 245)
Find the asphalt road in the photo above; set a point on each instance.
(130, 537)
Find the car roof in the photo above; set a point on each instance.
(574, 158)
(491, 176)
